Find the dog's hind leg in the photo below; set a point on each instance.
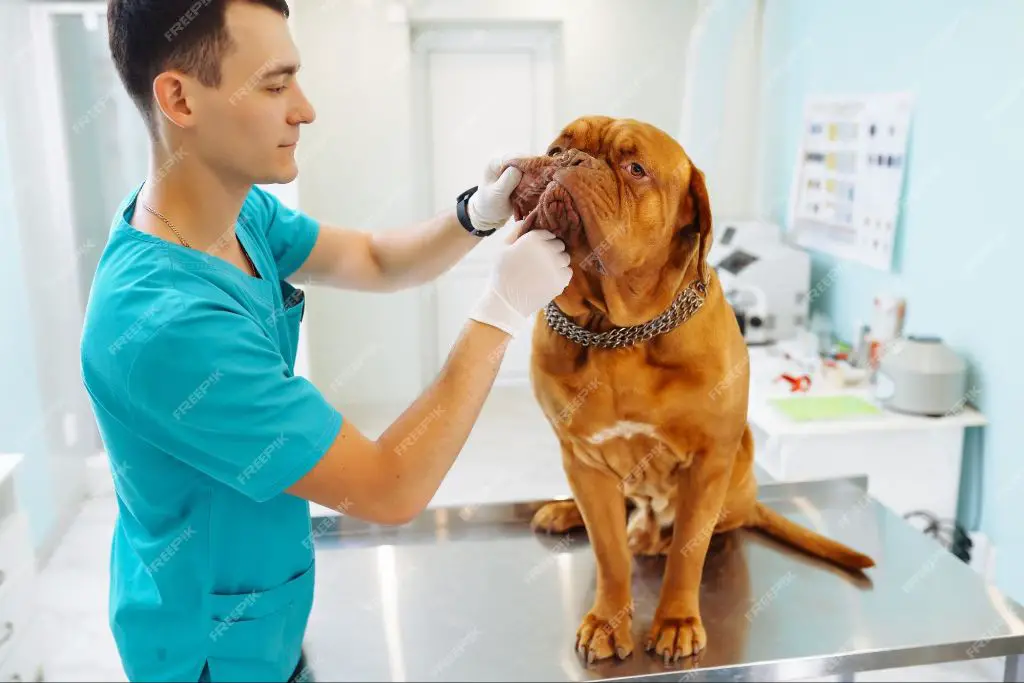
(557, 517)
(645, 531)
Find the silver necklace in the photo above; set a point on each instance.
(685, 305)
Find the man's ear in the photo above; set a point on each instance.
(698, 218)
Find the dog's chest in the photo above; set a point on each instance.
(602, 404)
(611, 415)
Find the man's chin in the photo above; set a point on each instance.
(280, 177)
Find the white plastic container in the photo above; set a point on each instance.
(922, 376)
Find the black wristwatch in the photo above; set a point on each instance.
(462, 211)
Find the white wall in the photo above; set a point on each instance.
(357, 161)
(54, 475)
(720, 118)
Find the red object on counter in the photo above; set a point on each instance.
(797, 383)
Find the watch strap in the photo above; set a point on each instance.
(462, 212)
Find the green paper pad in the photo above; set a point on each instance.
(803, 408)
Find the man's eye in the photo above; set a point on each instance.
(277, 89)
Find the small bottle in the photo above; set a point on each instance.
(821, 327)
(862, 349)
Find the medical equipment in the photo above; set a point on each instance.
(765, 280)
(922, 376)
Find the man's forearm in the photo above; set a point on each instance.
(431, 433)
(420, 253)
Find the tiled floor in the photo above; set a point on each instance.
(510, 455)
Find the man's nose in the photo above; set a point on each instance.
(303, 112)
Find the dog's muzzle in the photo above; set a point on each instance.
(542, 200)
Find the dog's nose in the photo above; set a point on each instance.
(575, 157)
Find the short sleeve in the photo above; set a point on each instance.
(210, 389)
(290, 232)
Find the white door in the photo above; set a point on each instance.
(483, 94)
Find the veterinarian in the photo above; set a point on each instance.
(190, 339)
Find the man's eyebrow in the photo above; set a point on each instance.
(283, 70)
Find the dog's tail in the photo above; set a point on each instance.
(783, 529)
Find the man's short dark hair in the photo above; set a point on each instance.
(151, 36)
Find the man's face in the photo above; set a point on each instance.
(248, 127)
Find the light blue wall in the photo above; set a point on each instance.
(960, 237)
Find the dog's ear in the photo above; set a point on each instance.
(697, 218)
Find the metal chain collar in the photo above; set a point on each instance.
(682, 309)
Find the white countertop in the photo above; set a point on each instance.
(765, 365)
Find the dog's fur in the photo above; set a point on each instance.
(663, 422)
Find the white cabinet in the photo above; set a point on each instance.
(20, 651)
(911, 462)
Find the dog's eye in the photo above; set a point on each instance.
(636, 170)
(554, 151)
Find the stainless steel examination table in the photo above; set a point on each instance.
(471, 593)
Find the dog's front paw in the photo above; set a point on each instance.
(599, 638)
(676, 637)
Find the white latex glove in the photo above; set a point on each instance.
(490, 206)
(531, 271)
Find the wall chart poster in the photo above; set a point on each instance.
(847, 189)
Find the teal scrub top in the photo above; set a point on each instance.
(189, 365)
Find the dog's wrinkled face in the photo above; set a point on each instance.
(631, 208)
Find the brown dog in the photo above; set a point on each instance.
(641, 370)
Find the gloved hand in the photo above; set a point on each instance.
(490, 206)
(531, 270)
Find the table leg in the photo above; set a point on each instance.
(1014, 668)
